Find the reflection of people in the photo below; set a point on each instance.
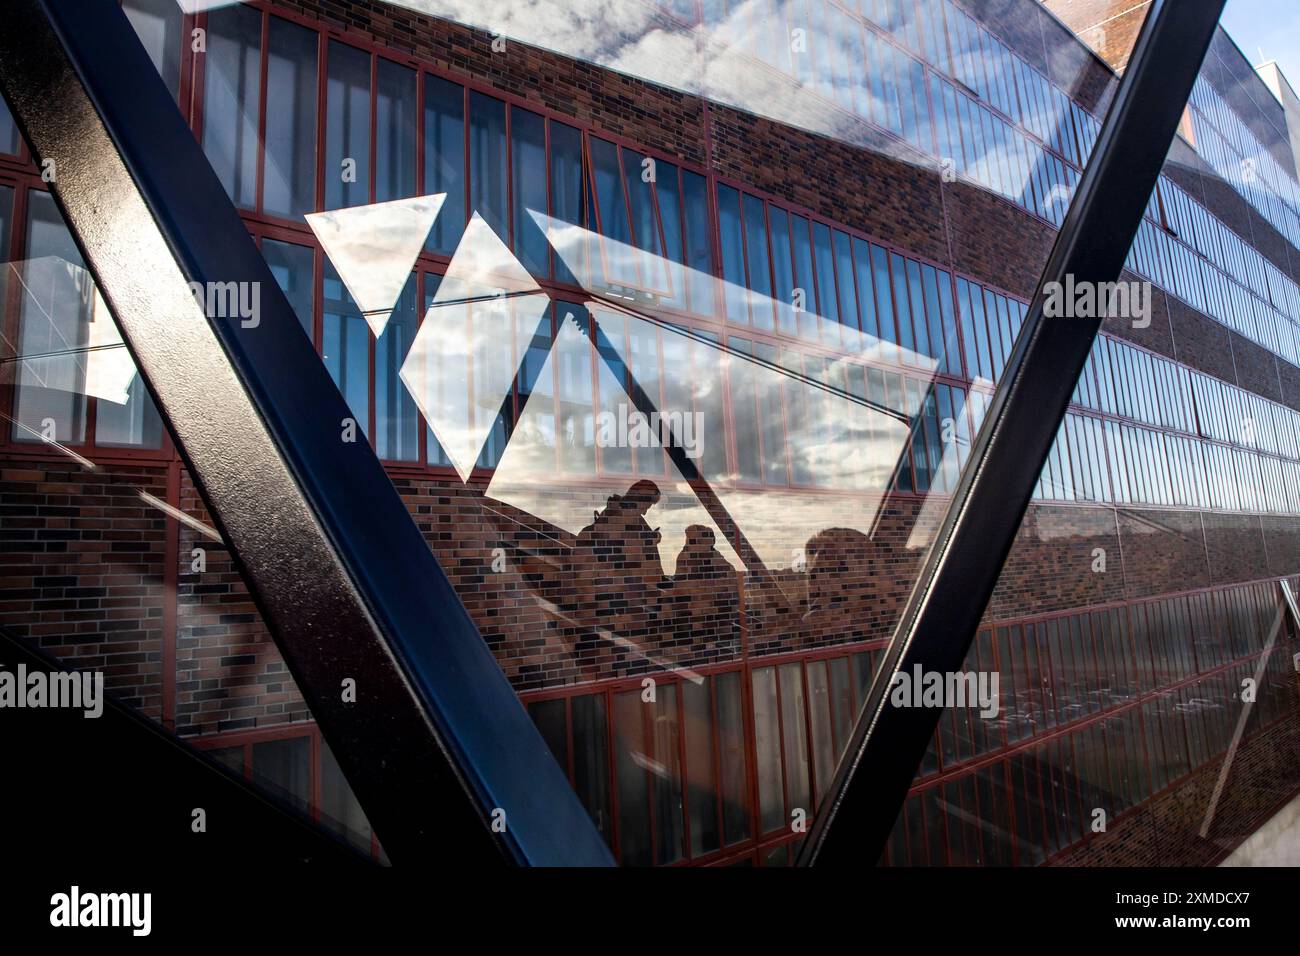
(620, 535)
(705, 587)
(699, 559)
(840, 570)
(615, 571)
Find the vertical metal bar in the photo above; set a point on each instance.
(977, 532)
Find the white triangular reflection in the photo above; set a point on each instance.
(482, 265)
(373, 248)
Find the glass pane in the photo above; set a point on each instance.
(444, 158)
(293, 267)
(528, 189)
(702, 359)
(284, 767)
(113, 564)
(347, 127)
(158, 25)
(397, 424)
(339, 809)
(395, 131)
(232, 82)
(487, 161)
(71, 352)
(290, 171)
(345, 349)
(9, 139)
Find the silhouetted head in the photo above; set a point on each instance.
(641, 497)
(699, 536)
(838, 567)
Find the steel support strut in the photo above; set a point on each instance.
(957, 580)
(436, 742)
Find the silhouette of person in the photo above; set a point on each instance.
(706, 598)
(616, 574)
(841, 567)
(699, 560)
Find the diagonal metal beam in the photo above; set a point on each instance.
(436, 739)
(943, 613)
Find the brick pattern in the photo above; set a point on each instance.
(81, 569)
(1050, 567)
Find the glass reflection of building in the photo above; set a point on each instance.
(838, 369)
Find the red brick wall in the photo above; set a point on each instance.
(81, 570)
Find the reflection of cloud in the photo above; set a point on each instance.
(577, 247)
(706, 59)
(836, 443)
(373, 248)
(528, 475)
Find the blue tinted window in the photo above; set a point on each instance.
(347, 128)
(733, 255)
(917, 301)
(668, 191)
(827, 305)
(566, 185)
(395, 131)
(158, 25)
(699, 255)
(612, 206)
(783, 266)
(397, 425)
(760, 274)
(289, 176)
(639, 173)
(803, 278)
(433, 450)
(487, 162)
(292, 266)
(905, 337)
(866, 295)
(232, 76)
(8, 130)
(848, 297)
(345, 348)
(884, 301)
(528, 187)
(444, 159)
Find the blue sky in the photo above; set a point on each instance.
(1274, 26)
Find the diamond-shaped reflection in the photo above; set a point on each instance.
(462, 364)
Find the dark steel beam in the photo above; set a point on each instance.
(962, 568)
(436, 740)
